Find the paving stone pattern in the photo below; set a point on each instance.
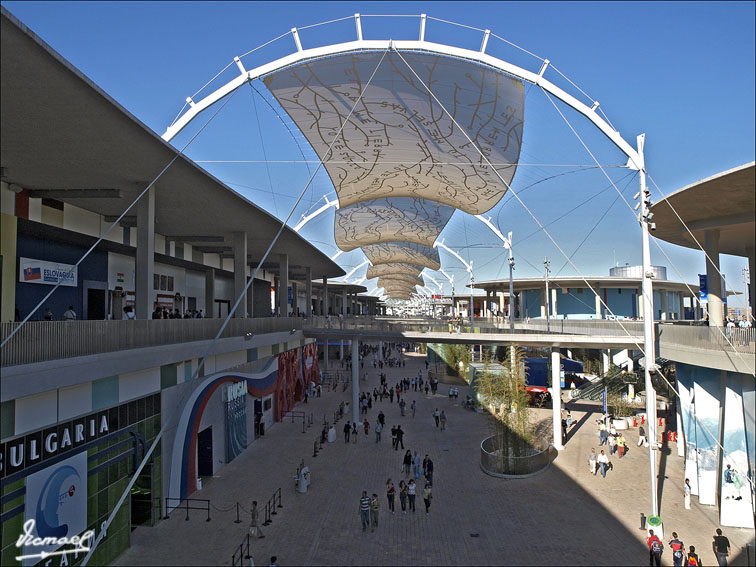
(563, 516)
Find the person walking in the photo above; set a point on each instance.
(393, 437)
(69, 314)
(364, 510)
(378, 429)
(374, 508)
(354, 432)
(687, 490)
(678, 550)
(442, 419)
(655, 548)
(381, 418)
(427, 497)
(399, 437)
(642, 436)
(620, 445)
(602, 432)
(390, 494)
(693, 559)
(721, 547)
(612, 440)
(402, 405)
(429, 470)
(347, 431)
(403, 496)
(592, 462)
(413, 406)
(366, 425)
(254, 526)
(407, 463)
(603, 463)
(436, 416)
(416, 465)
(411, 494)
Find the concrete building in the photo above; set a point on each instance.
(83, 400)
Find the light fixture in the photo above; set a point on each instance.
(248, 336)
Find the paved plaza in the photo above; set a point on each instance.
(561, 516)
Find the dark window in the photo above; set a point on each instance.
(266, 404)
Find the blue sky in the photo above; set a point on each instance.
(683, 73)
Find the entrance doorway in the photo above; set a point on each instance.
(95, 303)
(205, 452)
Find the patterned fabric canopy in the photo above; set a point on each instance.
(400, 165)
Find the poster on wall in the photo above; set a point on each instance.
(49, 273)
(735, 505)
(55, 507)
(707, 430)
(235, 396)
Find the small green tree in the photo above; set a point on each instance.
(505, 397)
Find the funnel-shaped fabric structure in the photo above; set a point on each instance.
(399, 163)
(383, 270)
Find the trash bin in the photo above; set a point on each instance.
(262, 428)
(331, 435)
(304, 480)
(199, 483)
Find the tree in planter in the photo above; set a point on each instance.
(454, 354)
(505, 397)
(620, 406)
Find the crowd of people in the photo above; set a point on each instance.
(682, 556)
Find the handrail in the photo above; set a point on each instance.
(186, 507)
(40, 341)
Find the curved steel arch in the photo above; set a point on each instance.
(195, 108)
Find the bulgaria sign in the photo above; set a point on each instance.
(50, 273)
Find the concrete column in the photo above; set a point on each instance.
(355, 379)
(341, 349)
(145, 255)
(598, 304)
(554, 311)
(639, 293)
(308, 292)
(713, 279)
(250, 299)
(294, 298)
(556, 394)
(325, 296)
(210, 293)
(344, 301)
(501, 302)
(605, 360)
(543, 304)
(283, 285)
(663, 304)
(240, 271)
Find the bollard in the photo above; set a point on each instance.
(187, 509)
(237, 520)
(247, 556)
(643, 419)
(267, 515)
(273, 507)
(279, 499)
(642, 521)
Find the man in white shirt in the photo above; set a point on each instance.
(70, 314)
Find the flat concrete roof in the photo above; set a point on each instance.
(574, 282)
(725, 201)
(60, 131)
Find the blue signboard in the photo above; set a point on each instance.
(703, 289)
(604, 398)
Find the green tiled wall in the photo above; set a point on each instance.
(103, 491)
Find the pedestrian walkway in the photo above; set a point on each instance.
(561, 516)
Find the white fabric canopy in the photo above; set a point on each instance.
(400, 165)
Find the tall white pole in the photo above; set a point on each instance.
(648, 327)
(511, 286)
(355, 379)
(556, 396)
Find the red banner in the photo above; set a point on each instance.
(310, 364)
(289, 383)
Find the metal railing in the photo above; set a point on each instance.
(39, 341)
(188, 504)
(495, 462)
(709, 338)
(604, 327)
